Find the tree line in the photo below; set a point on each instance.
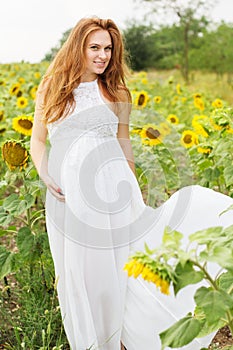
(191, 42)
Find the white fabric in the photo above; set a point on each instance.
(103, 220)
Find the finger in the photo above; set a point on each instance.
(56, 194)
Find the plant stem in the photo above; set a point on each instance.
(207, 275)
(230, 322)
(28, 211)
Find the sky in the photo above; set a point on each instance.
(29, 28)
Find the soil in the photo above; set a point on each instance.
(222, 340)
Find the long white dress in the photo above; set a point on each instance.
(103, 220)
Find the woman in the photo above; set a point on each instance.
(95, 212)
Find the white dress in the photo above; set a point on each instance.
(103, 219)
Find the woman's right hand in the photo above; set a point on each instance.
(54, 189)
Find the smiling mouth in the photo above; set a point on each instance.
(100, 63)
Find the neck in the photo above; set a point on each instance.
(88, 78)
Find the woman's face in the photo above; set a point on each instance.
(97, 54)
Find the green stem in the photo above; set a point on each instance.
(28, 211)
(230, 321)
(37, 212)
(207, 275)
(36, 219)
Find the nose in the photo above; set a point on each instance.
(102, 54)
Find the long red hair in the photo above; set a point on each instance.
(64, 73)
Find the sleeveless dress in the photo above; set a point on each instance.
(102, 221)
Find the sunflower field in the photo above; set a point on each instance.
(179, 136)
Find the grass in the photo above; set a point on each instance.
(208, 83)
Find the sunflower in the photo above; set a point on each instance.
(151, 135)
(22, 102)
(19, 93)
(23, 124)
(141, 99)
(197, 95)
(21, 80)
(160, 278)
(178, 89)
(1, 115)
(136, 131)
(157, 99)
(14, 89)
(198, 103)
(217, 103)
(37, 75)
(189, 138)
(199, 118)
(144, 81)
(15, 155)
(215, 125)
(173, 119)
(33, 91)
(205, 150)
(200, 130)
(229, 129)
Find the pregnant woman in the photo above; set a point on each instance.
(95, 213)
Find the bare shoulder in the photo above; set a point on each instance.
(124, 94)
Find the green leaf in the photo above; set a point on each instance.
(171, 239)
(25, 243)
(148, 250)
(228, 175)
(5, 218)
(214, 303)
(225, 282)
(15, 205)
(205, 327)
(228, 209)
(206, 236)
(181, 333)
(11, 203)
(185, 275)
(221, 255)
(6, 262)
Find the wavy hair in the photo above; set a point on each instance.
(64, 73)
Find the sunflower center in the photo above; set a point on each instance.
(173, 120)
(19, 93)
(14, 154)
(141, 100)
(188, 139)
(152, 133)
(25, 123)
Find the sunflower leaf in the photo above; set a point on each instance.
(214, 303)
(181, 333)
(186, 275)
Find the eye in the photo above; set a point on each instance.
(94, 47)
(109, 48)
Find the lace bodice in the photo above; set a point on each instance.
(91, 115)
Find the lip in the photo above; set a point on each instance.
(99, 63)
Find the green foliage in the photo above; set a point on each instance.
(181, 333)
(214, 304)
(140, 46)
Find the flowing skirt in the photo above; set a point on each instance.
(103, 220)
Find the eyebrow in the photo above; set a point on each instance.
(99, 44)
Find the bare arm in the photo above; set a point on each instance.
(123, 133)
(38, 147)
